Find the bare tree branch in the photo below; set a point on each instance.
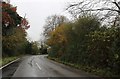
(117, 6)
(106, 9)
(102, 9)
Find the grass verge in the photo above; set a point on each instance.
(6, 60)
(96, 71)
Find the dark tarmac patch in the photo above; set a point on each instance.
(10, 69)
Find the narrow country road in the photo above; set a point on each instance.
(40, 66)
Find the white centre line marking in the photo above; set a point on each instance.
(38, 66)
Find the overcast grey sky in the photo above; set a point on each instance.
(37, 11)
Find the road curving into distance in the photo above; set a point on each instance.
(40, 66)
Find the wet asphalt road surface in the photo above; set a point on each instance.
(40, 66)
(9, 70)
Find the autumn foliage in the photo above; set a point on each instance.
(11, 19)
(87, 44)
(13, 30)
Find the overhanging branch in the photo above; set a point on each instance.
(101, 9)
(117, 6)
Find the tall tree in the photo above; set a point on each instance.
(13, 33)
(11, 19)
(52, 22)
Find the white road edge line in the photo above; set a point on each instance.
(9, 63)
(38, 66)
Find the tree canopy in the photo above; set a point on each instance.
(87, 44)
(13, 30)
